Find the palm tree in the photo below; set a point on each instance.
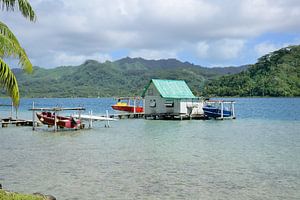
(10, 47)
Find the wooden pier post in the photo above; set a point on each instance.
(79, 115)
(91, 121)
(222, 109)
(107, 122)
(11, 110)
(55, 121)
(134, 106)
(232, 110)
(33, 117)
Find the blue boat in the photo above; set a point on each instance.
(215, 112)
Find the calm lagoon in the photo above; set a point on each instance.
(256, 156)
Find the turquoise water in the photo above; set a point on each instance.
(256, 156)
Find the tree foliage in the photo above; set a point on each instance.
(123, 77)
(275, 74)
(10, 47)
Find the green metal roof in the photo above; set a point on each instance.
(175, 89)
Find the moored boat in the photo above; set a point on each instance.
(48, 118)
(219, 109)
(215, 112)
(126, 107)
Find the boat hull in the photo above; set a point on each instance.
(129, 109)
(48, 118)
(214, 112)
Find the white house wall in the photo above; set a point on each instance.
(151, 95)
(191, 106)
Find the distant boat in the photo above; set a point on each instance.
(48, 118)
(126, 107)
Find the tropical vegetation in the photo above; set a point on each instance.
(127, 76)
(275, 74)
(17, 196)
(10, 47)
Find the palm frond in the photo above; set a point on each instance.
(11, 47)
(23, 6)
(9, 83)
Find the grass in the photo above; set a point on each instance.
(16, 196)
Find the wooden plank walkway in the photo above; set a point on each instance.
(157, 116)
(126, 115)
(18, 122)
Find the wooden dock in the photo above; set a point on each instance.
(157, 116)
(172, 116)
(17, 122)
(127, 115)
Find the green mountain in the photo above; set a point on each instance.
(275, 74)
(124, 77)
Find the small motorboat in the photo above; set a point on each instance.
(126, 107)
(215, 112)
(48, 118)
(219, 109)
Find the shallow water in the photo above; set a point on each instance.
(256, 156)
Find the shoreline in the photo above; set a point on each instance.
(9, 195)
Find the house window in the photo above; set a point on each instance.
(152, 103)
(150, 92)
(169, 103)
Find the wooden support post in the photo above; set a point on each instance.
(107, 122)
(16, 113)
(134, 105)
(222, 109)
(33, 117)
(79, 115)
(55, 121)
(91, 121)
(11, 110)
(232, 110)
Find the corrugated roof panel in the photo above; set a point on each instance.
(177, 89)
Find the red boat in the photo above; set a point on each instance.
(63, 122)
(126, 107)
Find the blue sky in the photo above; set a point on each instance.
(208, 33)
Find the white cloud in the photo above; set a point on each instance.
(63, 59)
(268, 47)
(153, 54)
(72, 30)
(228, 48)
(265, 48)
(202, 49)
(224, 49)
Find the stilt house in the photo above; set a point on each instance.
(170, 99)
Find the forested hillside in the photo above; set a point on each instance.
(275, 74)
(124, 77)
